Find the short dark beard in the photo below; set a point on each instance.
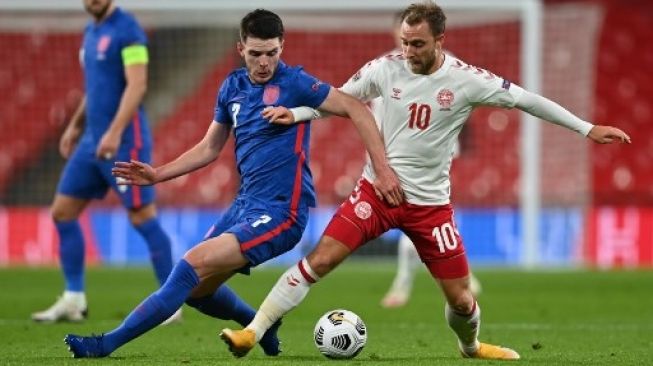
(100, 15)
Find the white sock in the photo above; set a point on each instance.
(287, 293)
(466, 327)
(407, 261)
(79, 298)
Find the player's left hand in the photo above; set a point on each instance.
(608, 135)
(108, 146)
(279, 115)
(388, 187)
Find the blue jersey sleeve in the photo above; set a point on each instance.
(132, 33)
(311, 91)
(221, 114)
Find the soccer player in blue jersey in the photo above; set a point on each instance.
(109, 124)
(270, 212)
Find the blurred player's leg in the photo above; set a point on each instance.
(402, 285)
(71, 306)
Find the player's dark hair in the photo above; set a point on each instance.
(426, 11)
(262, 24)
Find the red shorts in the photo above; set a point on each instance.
(363, 217)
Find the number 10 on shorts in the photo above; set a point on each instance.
(445, 237)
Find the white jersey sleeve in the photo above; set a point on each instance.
(364, 84)
(482, 87)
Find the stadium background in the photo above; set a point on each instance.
(596, 200)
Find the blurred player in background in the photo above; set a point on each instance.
(407, 258)
(270, 212)
(427, 98)
(109, 124)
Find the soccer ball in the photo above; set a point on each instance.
(340, 334)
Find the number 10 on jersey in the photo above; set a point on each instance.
(445, 237)
(420, 116)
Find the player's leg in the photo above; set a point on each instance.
(463, 315)
(147, 224)
(402, 285)
(358, 220)
(440, 247)
(244, 220)
(78, 184)
(289, 291)
(203, 268)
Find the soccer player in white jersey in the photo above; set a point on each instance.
(407, 258)
(429, 96)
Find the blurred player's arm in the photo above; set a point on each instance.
(551, 111)
(74, 130)
(135, 59)
(200, 155)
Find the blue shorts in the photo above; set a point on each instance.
(87, 177)
(263, 230)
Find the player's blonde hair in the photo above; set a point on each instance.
(427, 11)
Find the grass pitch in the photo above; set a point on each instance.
(550, 318)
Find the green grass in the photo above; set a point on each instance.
(551, 318)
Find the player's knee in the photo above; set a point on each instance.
(462, 303)
(322, 263)
(61, 214)
(137, 216)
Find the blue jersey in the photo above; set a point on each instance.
(273, 160)
(104, 76)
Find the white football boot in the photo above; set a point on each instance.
(70, 307)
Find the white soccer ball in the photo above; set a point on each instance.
(340, 334)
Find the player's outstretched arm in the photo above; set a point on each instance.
(387, 184)
(200, 155)
(551, 111)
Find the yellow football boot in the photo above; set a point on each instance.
(240, 342)
(490, 352)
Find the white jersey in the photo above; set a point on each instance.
(422, 115)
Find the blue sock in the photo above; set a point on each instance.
(224, 304)
(156, 308)
(159, 245)
(71, 254)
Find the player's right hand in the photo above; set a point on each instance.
(388, 187)
(68, 142)
(279, 115)
(134, 173)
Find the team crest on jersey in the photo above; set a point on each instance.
(103, 46)
(271, 94)
(395, 93)
(363, 210)
(445, 99)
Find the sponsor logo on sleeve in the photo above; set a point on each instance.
(505, 84)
